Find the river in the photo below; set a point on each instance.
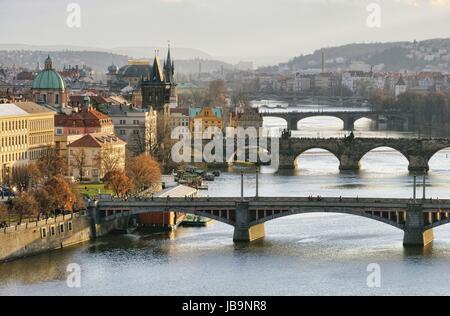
(313, 254)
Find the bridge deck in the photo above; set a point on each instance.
(269, 202)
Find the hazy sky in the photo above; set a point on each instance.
(222, 27)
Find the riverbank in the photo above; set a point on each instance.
(33, 238)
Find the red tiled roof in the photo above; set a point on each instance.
(95, 141)
(85, 118)
(180, 110)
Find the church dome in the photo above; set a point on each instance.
(135, 71)
(113, 69)
(48, 78)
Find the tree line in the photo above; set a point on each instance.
(427, 108)
(42, 190)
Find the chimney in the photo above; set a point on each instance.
(323, 62)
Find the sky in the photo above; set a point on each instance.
(222, 27)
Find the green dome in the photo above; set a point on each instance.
(48, 78)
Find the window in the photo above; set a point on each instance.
(69, 226)
(43, 232)
(122, 132)
(57, 99)
(52, 230)
(61, 228)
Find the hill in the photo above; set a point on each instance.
(433, 54)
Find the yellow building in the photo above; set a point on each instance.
(203, 118)
(26, 134)
(41, 129)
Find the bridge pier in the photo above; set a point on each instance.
(348, 163)
(243, 232)
(349, 123)
(418, 164)
(415, 233)
(292, 124)
(286, 162)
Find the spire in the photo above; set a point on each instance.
(156, 75)
(48, 63)
(169, 61)
(169, 67)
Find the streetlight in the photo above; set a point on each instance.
(424, 184)
(242, 185)
(257, 181)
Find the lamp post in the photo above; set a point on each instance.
(424, 185)
(257, 182)
(242, 185)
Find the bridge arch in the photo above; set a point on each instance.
(395, 219)
(324, 154)
(403, 157)
(280, 117)
(442, 154)
(304, 119)
(358, 120)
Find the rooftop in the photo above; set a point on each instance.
(10, 109)
(96, 141)
(85, 118)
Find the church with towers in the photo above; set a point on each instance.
(159, 89)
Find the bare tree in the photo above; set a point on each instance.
(25, 176)
(78, 161)
(25, 205)
(109, 159)
(52, 164)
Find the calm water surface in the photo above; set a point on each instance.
(305, 254)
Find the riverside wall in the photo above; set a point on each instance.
(55, 233)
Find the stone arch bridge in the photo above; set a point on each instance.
(416, 219)
(349, 151)
(400, 119)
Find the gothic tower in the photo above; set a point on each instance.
(159, 90)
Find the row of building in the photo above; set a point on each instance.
(73, 125)
(352, 82)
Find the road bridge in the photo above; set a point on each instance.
(416, 218)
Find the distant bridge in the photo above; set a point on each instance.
(416, 218)
(348, 117)
(312, 99)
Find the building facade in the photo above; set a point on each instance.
(249, 117)
(201, 119)
(41, 129)
(178, 118)
(136, 127)
(88, 156)
(86, 121)
(26, 134)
